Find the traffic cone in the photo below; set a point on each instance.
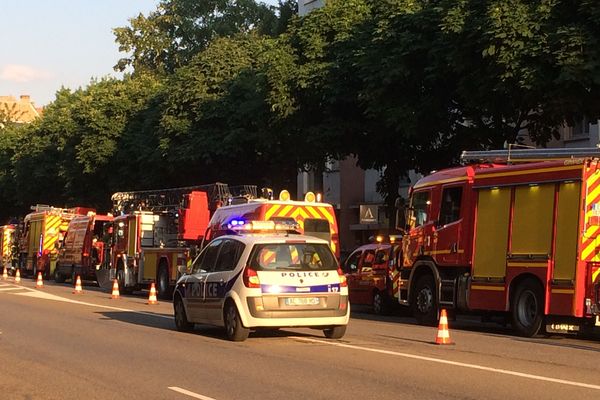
(39, 284)
(78, 289)
(5, 274)
(443, 334)
(115, 290)
(152, 298)
(18, 276)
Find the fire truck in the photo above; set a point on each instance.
(42, 233)
(7, 246)
(313, 217)
(82, 250)
(154, 232)
(514, 233)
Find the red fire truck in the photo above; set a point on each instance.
(82, 249)
(41, 234)
(513, 232)
(156, 231)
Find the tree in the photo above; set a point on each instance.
(169, 37)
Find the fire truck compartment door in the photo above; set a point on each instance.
(532, 221)
(567, 221)
(491, 233)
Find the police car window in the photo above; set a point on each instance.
(206, 259)
(292, 257)
(229, 255)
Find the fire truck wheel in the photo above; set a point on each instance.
(58, 278)
(234, 329)
(424, 301)
(164, 288)
(181, 322)
(335, 332)
(527, 308)
(380, 303)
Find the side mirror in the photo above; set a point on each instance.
(182, 269)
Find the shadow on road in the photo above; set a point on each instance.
(159, 321)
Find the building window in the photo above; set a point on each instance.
(581, 128)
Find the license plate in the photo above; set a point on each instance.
(301, 301)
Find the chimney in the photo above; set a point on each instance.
(25, 98)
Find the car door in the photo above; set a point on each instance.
(364, 277)
(351, 270)
(220, 280)
(195, 284)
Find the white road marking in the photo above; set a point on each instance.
(9, 288)
(47, 296)
(455, 363)
(188, 393)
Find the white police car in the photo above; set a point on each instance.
(248, 281)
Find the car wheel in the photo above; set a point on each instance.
(234, 329)
(58, 278)
(335, 332)
(164, 287)
(181, 322)
(527, 308)
(424, 301)
(380, 303)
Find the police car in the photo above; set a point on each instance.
(249, 280)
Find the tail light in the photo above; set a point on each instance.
(251, 278)
(343, 282)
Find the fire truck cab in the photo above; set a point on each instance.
(513, 232)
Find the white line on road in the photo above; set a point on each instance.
(47, 296)
(455, 363)
(188, 393)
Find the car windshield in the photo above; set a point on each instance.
(292, 256)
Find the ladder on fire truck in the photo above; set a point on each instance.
(520, 155)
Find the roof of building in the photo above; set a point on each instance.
(18, 111)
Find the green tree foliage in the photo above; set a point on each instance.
(169, 37)
(242, 92)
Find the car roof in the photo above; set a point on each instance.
(373, 246)
(252, 238)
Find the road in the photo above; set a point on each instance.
(59, 345)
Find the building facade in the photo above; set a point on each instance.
(21, 111)
(306, 6)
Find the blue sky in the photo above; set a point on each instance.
(47, 44)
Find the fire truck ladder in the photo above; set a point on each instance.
(165, 199)
(528, 155)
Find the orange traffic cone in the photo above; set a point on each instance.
(5, 274)
(115, 290)
(78, 289)
(443, 335)
(39, 284)
(18, 276)
(152, 298)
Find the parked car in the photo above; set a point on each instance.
(372, 275)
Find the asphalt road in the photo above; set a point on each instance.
(58, 345)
